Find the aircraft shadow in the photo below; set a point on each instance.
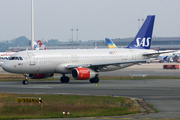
(58, 82)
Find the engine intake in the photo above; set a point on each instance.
(83, 73)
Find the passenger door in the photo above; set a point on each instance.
(32, 59)
(133, 54)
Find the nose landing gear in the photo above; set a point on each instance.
(25, 82)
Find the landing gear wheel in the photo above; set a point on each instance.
(91, 80)
(64, 79)
(25, 82)
(94, 80)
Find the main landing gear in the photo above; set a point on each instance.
(94, 80)
(64, 79)
(25, 82)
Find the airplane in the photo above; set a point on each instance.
(177, 53)
(83, 64)
(5, 55)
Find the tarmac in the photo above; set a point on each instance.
(163, 94)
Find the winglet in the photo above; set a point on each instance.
(110, 43)
(144, 36)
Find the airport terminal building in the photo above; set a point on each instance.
(159, 43)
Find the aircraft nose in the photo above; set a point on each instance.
(5, 66)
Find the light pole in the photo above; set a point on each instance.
(138, 22)
(142, 19)
(72, 36)
(77, 36)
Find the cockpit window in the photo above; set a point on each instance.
(15, 58)
(20, 58)
(11, 58)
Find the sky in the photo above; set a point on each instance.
(95, 19)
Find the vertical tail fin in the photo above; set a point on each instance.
(110, 43)
(144, 36)
(36, 46)
(165, 58)
(41, 45)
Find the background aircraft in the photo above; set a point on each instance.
(86, 63)
(5, 55)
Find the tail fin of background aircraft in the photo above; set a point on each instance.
(36, 46)
(41, 45)
(110, 43)
(144, 36)
(165, 58)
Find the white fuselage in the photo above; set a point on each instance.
(56, 61)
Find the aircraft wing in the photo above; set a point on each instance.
(108, 63)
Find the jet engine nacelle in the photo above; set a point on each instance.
(40, 76)
(83, 73)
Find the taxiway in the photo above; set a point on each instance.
(163, 94)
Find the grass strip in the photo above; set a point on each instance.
(54, 105)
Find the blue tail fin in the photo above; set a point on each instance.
(110, 43)
(165, 58)
(144, 36)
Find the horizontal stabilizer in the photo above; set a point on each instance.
(158, 52)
